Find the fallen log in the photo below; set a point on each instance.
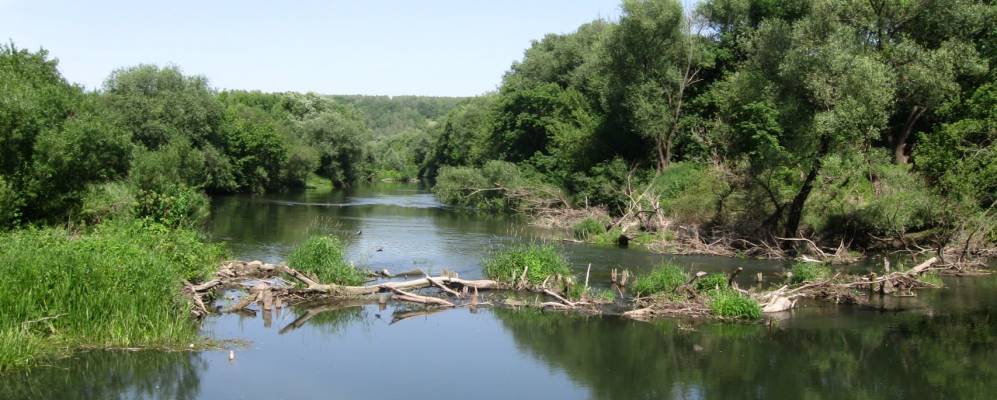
(415, 298)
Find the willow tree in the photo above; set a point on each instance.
(926, 46)
(808, 90)
(653, 60)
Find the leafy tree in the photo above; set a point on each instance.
(653, 61)
(159, 104)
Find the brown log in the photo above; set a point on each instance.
(443, 287)
(558, 297)
(412, 297)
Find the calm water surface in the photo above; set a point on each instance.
(941, 344)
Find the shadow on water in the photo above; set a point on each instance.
(940, 344)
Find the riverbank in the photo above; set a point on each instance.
(116, 285)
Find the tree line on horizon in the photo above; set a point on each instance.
(153, 140)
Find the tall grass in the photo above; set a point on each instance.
(118, 285)
(728, 303)
(323, 257)
(809, 272)
(542, 261)
(588, 228)
(663, 279)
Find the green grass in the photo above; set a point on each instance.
(662, 279)
(932, 278)
(323, 257)
(711, 282)
(587, 228)
(809, 272)
(543, 261)
(118, 285)
(607, 238)
(731, 304)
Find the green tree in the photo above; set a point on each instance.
(654, 59)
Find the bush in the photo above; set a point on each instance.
(10, 205)
(689, 192)
(543, 261)
(663, 279)
(498, 185)
(730, 304)
(711, 282)
(176, 205)
(601, 185)
(323, 257)
(588, 228)
(116, 286)
(809, 272)
(108, 201)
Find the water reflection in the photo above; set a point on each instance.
(903, 358)
(110, 375)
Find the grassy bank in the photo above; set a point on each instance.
(118, 285)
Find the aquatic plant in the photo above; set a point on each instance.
(664, 278)
(809, 272)
(711, 282)
(731, 304)
(932, 278)
(323, 257)
(587, 228)
(539, 261)
(118, 285)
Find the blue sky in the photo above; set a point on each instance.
(430, 47)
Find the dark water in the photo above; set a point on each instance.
(940, 344)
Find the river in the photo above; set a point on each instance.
(940, 344)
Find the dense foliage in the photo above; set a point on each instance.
(835, 119)
(167, 137)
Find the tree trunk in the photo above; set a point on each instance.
(901, 136)
(662, 157)
(668, 153)
(796, 208)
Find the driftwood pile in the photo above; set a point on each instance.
(265, 285)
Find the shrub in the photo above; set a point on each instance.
(323, 257)
(10, 204)
(601, 185)
(689, 192)
(118, 285)
(730, 304)
(662, 279)
(809, 272)
(588, 228)
(498, 185)
(108, 201)
(454, 186)
(177, 205)
(542, 261)
(711, 282)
